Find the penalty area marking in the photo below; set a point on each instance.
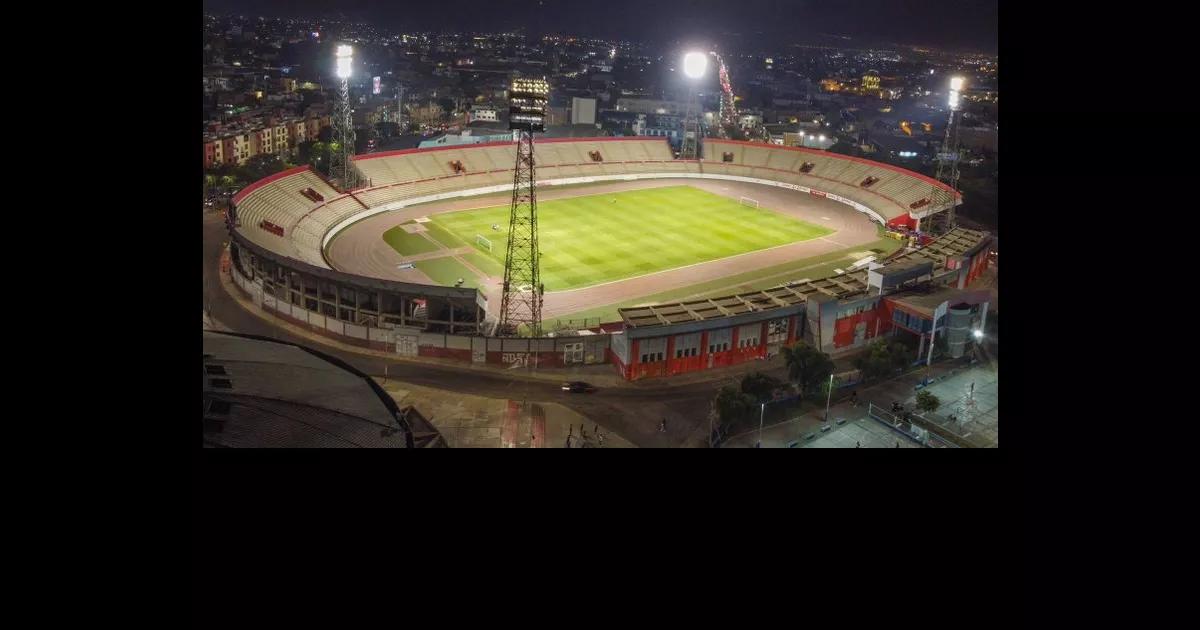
(827, 218)
(422, 219)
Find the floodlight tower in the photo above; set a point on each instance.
(947, 160)
(694, 65)
(341, 167)
(521, 303)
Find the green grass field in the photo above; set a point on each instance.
(589, 240)
(408, 244)
(446, 271)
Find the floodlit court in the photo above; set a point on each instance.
(605, 237)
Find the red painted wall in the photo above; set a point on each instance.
(905, 221)
(843, 329)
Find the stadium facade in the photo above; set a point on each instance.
(281, 225)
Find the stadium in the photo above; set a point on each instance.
(653, 264)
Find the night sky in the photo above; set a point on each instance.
(969, 25)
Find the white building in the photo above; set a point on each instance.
(488, 114)
(583, 111)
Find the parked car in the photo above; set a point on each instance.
(578, 387)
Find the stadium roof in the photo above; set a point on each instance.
(264, 393)
(843, 286)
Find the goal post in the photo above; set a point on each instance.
(483, 242)
(746, 201)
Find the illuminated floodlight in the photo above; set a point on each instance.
(978, 333)
(345, 55)
(954, 100)
(956, 83)
(694, 64)
(822, 138)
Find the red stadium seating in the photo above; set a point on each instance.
(270, 227)
(312, 194)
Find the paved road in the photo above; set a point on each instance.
(632, 411)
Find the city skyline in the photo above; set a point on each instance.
(969, 26)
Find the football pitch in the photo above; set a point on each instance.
(600, 238)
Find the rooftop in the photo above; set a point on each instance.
(844, 286)
(264, 393)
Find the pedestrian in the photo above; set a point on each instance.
(596, 430)
(857, 445)
(897, 444)
(662, 426)
(601, 438)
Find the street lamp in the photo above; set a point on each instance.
(828, 395)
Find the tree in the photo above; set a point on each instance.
(884, 359)
(761, 386)
(807, 366)
(927, 402)
(259, 167)
(732, 406)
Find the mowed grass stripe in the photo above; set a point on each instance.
(446, 271)
(589, 240)
(407, 244)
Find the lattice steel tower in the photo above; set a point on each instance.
(694, 65)
(341, 166)
(521, 304)
(947, 166)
